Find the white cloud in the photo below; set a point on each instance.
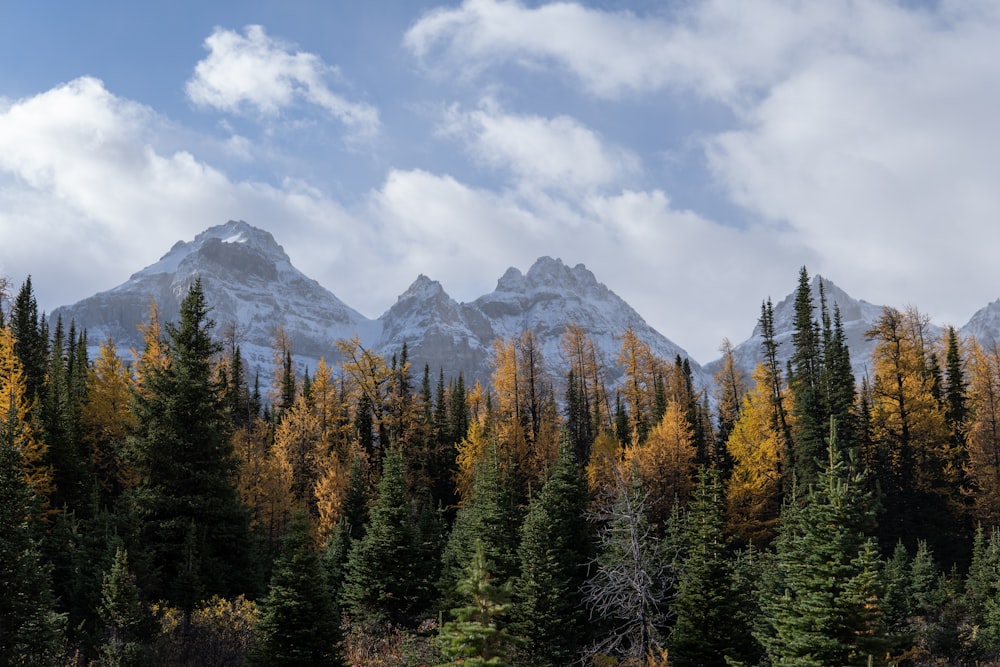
(864, 132)
(649, 253)
(82, 178)
(558, 153)
(718, 48)
(253, 70)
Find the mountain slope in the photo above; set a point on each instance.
(253, 287)
(857, 317)
(249, 281)
(459, 337)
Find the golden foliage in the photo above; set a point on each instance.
(983, 432)
(665, 460)
(221, 633)
(106, 417)
(755, 447)
(17, 425)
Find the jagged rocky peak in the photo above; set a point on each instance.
(511, 281)
(984, 325)
(235, 246)
(422, 289)
(549, 274)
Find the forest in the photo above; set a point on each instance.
(166, 509)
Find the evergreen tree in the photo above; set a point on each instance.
(556, 546)
(805, 382)
(30, 630)
(30, 340)
(123, 615)
(489, 515)
(380, 586)
(711, 625)
(779, 419)
(825, 608)
(194, 533)
(298, 623)
(474, 638)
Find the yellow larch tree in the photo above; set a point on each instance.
(469, 453)
(912, 452)
(730, 387)
(17, 425)
(107, 419)
(641, 369)
(604, 464)
(754, 444)
(664, 461)
(526, 421)
(296, 442)
(369, 385)
(983, 434)
(154, 351)
(264, 481)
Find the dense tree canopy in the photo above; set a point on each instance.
(158, 507)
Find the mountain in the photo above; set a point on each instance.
(857, 317)
(252, 286)
(984, 325)
(459, 337)
(248, 280)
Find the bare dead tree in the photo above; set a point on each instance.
(633, 576)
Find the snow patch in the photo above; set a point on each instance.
(236, 238)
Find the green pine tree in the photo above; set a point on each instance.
(805, 382)
(192, 523)
(710, 625)
(556, 547)
(380, 586)
(298, 623)
(824, 610)
(490, 515)
(123, 615)
(474, 638)
(30, 629)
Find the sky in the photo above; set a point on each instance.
(693, 154)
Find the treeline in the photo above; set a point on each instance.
(170, 511)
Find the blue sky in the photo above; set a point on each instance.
(692, 154)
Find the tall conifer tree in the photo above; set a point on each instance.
(194, 531)
(556, 547)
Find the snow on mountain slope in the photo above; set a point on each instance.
(248, 281)
(984, 325)
(856, 315)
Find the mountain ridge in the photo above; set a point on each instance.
(253, 286)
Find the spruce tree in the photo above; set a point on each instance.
(824, 609)
(298, 623)
(556, 547)
(710, 625)
(194, 532)
(30, 630)
(805, 382)
(490, 515)
(380, 587)
(475, 638)
(123, 615)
